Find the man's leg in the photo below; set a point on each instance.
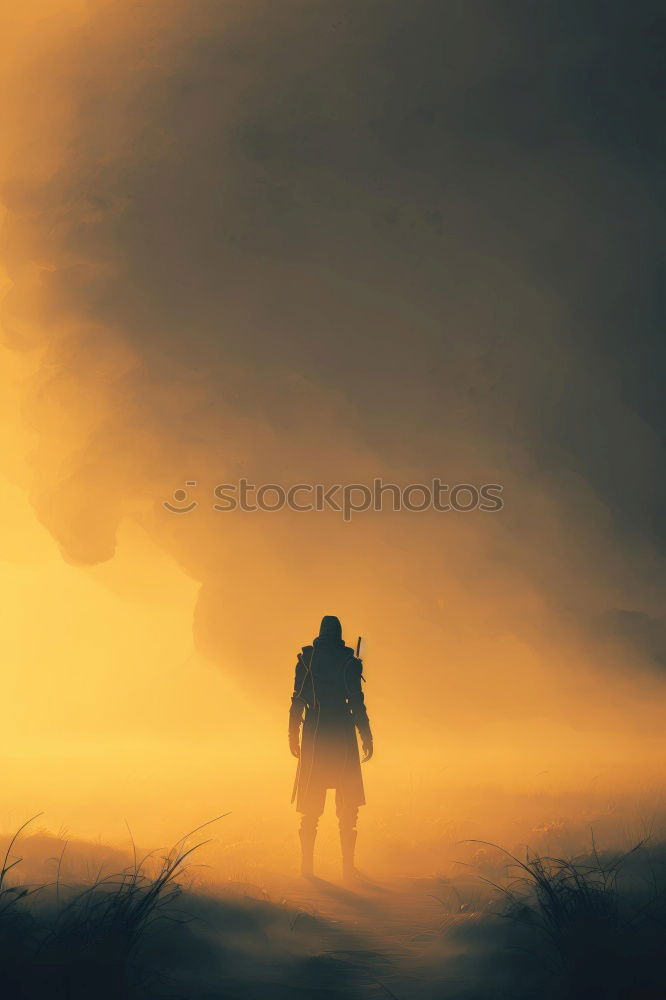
(308, 830)
(307, 834)
(347, 820)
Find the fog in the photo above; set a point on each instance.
(306, 242)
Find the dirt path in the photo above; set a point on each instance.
(391, 935)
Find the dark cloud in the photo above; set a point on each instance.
(406, 238)
(639, 631)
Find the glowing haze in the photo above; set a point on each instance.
(305, 242)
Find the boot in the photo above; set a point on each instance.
(348, 846)
(307, 834)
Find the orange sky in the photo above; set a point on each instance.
(147, 657)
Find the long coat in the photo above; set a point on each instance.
(327, 688)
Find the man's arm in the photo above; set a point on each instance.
(357, 706)
(296, 709)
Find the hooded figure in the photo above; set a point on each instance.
(328, 702)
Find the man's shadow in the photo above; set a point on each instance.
(354, 894)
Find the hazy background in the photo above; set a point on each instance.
(308, 241)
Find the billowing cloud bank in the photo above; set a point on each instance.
(308, 242)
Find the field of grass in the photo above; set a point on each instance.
(591, 927)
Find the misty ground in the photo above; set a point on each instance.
(477, 930)
(381, 938)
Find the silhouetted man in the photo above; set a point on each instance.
(327, 689)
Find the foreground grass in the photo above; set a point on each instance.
(543, 928)
(590, 928)
(65, 941)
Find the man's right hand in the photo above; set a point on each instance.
(294, 744)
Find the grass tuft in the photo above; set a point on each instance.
(86, 942)
(592, 932)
